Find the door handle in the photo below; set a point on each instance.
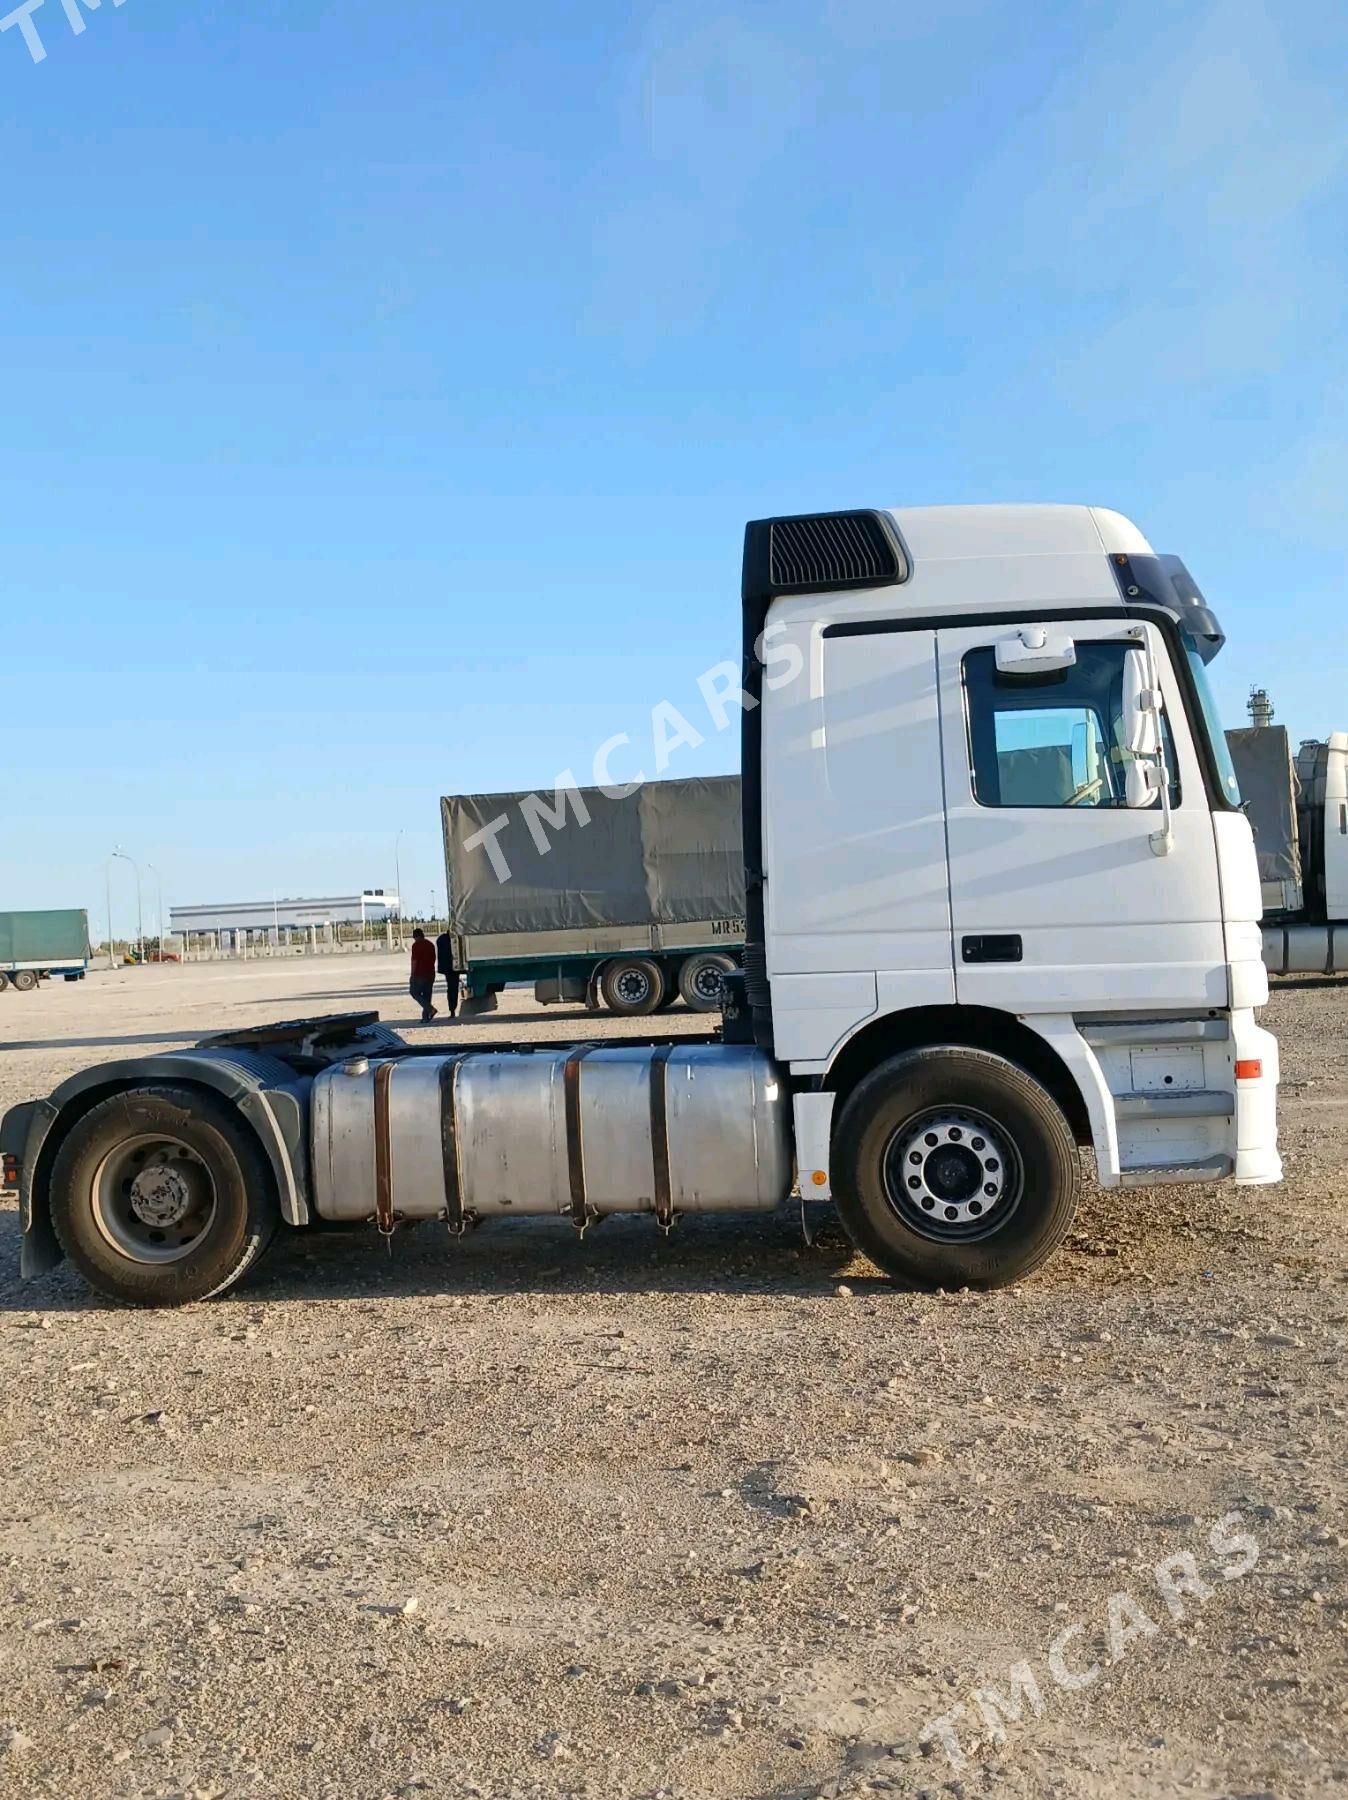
(1003, 947)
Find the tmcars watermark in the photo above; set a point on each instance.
(22, 16)
(671, 731)
(1179, 1583)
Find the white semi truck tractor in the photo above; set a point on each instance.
(1002, 905)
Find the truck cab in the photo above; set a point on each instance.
(988, 805)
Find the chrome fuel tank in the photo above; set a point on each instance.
(576, 1130)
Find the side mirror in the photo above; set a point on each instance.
(1142, 783)
(1141, 709)
(1034, 650)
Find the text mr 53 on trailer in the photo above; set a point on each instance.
(1001, 903)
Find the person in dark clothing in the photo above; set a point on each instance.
(444, 962)
(422, 983)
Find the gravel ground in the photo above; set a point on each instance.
(722, 1516)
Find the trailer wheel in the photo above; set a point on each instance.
(700, 980)
(633, 986)
(4, 981)
(954, 1168)
(24, 980)
(161, 1195)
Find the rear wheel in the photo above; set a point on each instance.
(954, 1168)
(24, 980)
(700, 980)
(4, 981)
(161, 1195)
(633, 987)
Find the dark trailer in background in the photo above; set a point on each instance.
(1269, 790)
(635, 902)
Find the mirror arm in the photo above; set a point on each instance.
(1162, 842)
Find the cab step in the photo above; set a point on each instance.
(1176, 1103)
(1210, 1168)
(1103, 1034)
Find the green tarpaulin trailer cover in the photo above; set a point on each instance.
(60, 936)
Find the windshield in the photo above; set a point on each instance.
(1221, 750)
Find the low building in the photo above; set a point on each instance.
(370, 907)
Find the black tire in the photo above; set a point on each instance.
(209, 1153)
(954, 1168)
(700, 980)
(633, 986)
(4, 981)
(24, 980)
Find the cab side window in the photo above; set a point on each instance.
(1052, 740)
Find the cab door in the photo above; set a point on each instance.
(858, 907)
(1059, 899)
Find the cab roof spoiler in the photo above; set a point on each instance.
(1164, 581)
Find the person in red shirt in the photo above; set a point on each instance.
(422, 984)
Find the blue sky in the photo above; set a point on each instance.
(385, 388)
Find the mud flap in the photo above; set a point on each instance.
(23, 1131)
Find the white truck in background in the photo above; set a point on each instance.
(1001, 904)
(1297, 804)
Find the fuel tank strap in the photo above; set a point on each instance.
(383, 1157)
(449, 1145)
(659, 1079)
(575, 1149)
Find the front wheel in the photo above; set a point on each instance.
(161, 1195)
(954, 1168)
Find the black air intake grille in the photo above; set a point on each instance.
(829, 550)
(756, 986)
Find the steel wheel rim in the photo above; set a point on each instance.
(707, 981)
(153, 1198)
(632, 986)
(952, 1174)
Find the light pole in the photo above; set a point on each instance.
(398, 882)
(107, 885)
(158, 907)
(140, 910)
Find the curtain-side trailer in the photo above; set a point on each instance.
(630, 896)
(34, 946)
